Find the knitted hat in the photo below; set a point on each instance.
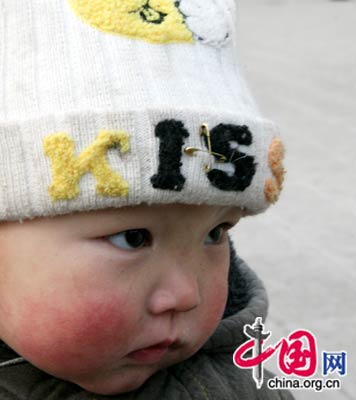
(109, 103)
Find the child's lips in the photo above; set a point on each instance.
(153, 354)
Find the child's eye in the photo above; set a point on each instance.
(131, 239)
(216, 235)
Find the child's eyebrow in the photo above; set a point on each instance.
(102, 221)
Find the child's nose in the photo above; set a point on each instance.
(178, 292)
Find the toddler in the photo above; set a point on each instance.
(129, 146)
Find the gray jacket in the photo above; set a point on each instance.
(208, 375)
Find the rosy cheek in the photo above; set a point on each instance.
(77, 336)
(216, 302)
(218, 288)
(212, 308)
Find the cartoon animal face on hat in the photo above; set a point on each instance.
(160, 21)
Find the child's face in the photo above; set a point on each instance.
(107, 313)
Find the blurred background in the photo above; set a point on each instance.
(299, 57)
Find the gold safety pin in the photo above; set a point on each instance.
(190, 151)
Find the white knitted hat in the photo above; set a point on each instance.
(108, 103)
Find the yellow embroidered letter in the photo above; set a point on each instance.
(67, 169)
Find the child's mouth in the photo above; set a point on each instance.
(152, 354)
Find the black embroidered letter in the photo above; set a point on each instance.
(245, 167)
(171, 134)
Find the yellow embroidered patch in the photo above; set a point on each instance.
(67, 169)
(273, 187)
(155, 21)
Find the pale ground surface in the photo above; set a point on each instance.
(300, 59)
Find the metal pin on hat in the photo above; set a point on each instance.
(205, 132)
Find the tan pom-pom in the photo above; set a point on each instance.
(273, 187)
(272, 190)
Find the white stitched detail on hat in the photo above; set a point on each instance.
(208, 20)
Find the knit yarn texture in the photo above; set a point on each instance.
(123, 102)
